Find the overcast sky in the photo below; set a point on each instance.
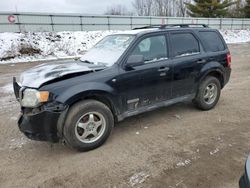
(61, 6)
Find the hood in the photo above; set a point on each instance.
(43, 73)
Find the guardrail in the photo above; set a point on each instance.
(24, 22)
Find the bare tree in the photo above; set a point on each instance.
(148, 7)
(117, 10)
(236, 10)
(143, 7)
(181, 7)
(139, 7)
(160, 7)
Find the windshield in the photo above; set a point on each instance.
(108, 50)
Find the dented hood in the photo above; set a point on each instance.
(37, 76)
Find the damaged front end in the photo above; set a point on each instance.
(42, 116)
(41, 121)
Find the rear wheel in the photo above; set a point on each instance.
(208, 93)
(88, 125)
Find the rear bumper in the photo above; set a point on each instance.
(41, 126)
(227, 75)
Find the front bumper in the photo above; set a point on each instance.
(41, 126)
(245, 179)
(40, 123)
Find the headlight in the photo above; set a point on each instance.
(32, 97)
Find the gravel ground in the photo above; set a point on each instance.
(174, 147)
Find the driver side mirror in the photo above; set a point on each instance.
(135, 60)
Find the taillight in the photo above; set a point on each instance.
(229, 60)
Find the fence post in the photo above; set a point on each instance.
(220, 23)
(52, 24)
(131, 23)
(242, 25)
(81, 23)
(108, 23)
(18, 22)
(232, 23)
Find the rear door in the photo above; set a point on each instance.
(214, 45)
(150, 82)
(188, 59)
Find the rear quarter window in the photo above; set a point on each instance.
(211, 41)
(184, 44)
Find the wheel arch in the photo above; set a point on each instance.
(218, 75)
(99, 95)
(214, 69)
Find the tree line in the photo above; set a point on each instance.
(184, 8)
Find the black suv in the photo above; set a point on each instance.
(124, 74)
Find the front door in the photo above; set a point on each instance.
(150, 82)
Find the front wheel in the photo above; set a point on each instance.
(208, 93)
(88, 125)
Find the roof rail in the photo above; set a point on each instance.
(163, 26)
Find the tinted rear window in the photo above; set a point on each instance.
(212, 41)
(184, 44)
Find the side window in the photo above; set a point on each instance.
(152, 48)
(211, 41)
(144, 46)
(184, 44)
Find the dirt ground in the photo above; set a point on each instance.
(174, 147)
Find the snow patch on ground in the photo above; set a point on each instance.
(28, 47)
(8, 104)
(25, 47)
(214, 151)
(236, 36)
(18, 143)
(7, 89)
(138, 178)
(183, 163)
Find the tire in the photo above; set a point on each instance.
(202, 100)
(88, 125)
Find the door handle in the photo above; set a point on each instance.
(163, 69)
(200, 61)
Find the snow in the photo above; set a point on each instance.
(112, 47)
(7, 88)
(136, 31)
(236, 36)
(138, 178)
(29, 47)
(177, 116)
(18, 142)
(183, 163)
(188, 54)
(214, 151)
(40, 74)
(96, 55)
(24, 47)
